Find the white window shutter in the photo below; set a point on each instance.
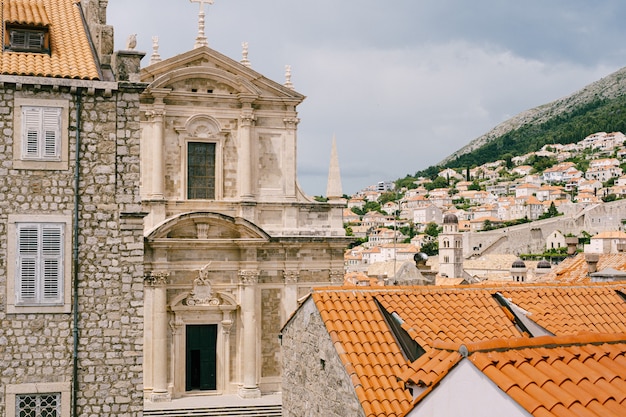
(32, 131)
(40, 263)
(52, 132)
(52, 252)
(28, 249)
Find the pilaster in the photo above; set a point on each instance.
(250, 388)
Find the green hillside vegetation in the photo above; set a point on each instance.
(601, 115)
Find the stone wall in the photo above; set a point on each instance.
(271, 300)
(37, 348)
(315, 382)
(531, 237)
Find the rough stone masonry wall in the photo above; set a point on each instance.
(111, 250)
(36, 348)
(315, 382)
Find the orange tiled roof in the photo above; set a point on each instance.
(576, 269)
(26, 12)
(70, 52)
(548, 376)
(430, 315)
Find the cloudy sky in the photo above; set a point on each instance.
(400, 83)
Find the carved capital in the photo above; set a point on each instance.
(176, 324)
(247, 119)
(290, 277)
(291, 122)
(156, 278)
(248, 277)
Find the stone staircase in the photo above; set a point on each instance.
(272, 410)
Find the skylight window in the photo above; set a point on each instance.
(409, 347)
(27, 39)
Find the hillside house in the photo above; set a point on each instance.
(613, 241)
(526, 190)
(558, 173)
(522, 170)
(551, 193)
(604, 173)
(427, 214)
(450, 174)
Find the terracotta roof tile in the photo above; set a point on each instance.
(539, 375)
(70, 52)
(27, 12)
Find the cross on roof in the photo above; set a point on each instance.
(201, 39)
(202, 2)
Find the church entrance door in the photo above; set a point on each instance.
(201, 358)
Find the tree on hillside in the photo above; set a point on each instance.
(432, 229)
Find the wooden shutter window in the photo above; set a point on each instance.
(40, 263)
(42, 133)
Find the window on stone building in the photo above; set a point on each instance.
(41, 139)
(34, 39)
(44, 405)
(200, 170)
(41, 133)
(39, 399)
(39, 273)
(39, 263)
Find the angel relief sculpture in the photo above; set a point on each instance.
(202, 292)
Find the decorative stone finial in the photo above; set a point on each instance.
(288, 82)
(131, 42)
(201, 39)
(155, 51)
(244, 54)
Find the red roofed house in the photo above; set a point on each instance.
(515, 350)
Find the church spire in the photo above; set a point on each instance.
(333, 188)
(201, 39)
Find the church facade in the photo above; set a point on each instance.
(231, 242)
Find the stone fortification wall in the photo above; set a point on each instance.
(36, 349)
(531, 237)
(315, 382)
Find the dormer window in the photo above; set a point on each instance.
(27, 39)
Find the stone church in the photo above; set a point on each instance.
(231, 241)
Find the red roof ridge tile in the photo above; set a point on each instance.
(585, 338)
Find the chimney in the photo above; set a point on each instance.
(572, 245)
(592, 262)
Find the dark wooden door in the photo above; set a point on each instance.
(201, 357)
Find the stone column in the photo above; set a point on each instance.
(158, 282)
(250, 388)
(289, 167)
(246, 121)
(158, 143)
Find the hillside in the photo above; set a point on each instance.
(600, 106)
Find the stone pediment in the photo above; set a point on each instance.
(206, 226)
(204, 69)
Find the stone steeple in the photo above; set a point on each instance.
(333, 187)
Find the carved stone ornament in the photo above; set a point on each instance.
(202, 293)
(291, 277)
(248, 277)
(156, 278)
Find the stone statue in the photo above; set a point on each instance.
(131, 42)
